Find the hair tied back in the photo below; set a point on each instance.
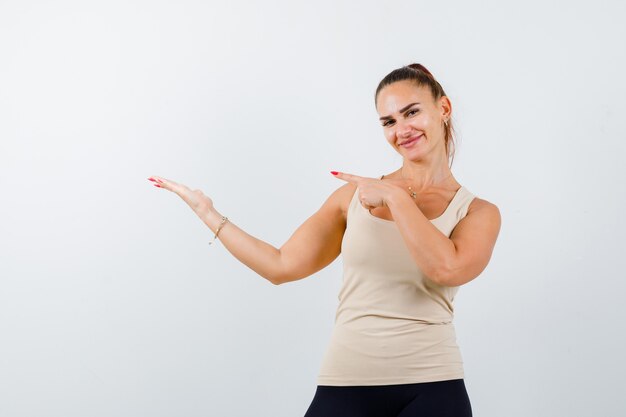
(420, 67)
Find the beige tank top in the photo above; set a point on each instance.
(393, 325)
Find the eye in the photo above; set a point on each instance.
(408, 113)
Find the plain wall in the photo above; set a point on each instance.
(112, 303)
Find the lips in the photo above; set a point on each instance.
(410, 139)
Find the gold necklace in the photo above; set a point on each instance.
(413, 193)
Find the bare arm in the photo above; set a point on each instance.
(260, 256)
(315, 244)
(446, 261)
(450, 261)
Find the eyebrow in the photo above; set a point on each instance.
(402, 110)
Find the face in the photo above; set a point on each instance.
(413, 130)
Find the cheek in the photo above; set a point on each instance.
(426, 122)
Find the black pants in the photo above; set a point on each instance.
(425, 399)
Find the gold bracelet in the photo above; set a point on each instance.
(224, 220)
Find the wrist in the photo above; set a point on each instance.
(394, 197)
(212, 219)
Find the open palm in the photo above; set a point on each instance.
(199, 203)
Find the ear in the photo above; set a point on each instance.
(445, 107)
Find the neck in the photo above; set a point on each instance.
(422, 175)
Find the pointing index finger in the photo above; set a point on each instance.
(348, 177)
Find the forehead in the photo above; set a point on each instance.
(397, 95)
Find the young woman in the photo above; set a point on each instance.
(408, 240)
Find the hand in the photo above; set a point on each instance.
(373, 192)
(199, 203)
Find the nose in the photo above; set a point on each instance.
(403, 130)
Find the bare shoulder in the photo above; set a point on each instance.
(341, 197)
(486, 208)
(474, 238)
(483, 214)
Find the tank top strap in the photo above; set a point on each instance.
(457, 209)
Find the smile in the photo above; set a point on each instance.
(410, 142)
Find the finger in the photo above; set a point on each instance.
(165, 183)
(155, 182)
(349, 177)
(155, 179)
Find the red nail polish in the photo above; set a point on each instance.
(334, 172)
(157, 185)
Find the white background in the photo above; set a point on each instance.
(112, 303)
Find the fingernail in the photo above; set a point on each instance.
(157, 185)
(151, 179)
(334, 172)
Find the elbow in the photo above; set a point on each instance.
(446, 272)
(274, 279)
(453, 278)
(276, 275)
(438, 276)
(278, 278)
(442, 277)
